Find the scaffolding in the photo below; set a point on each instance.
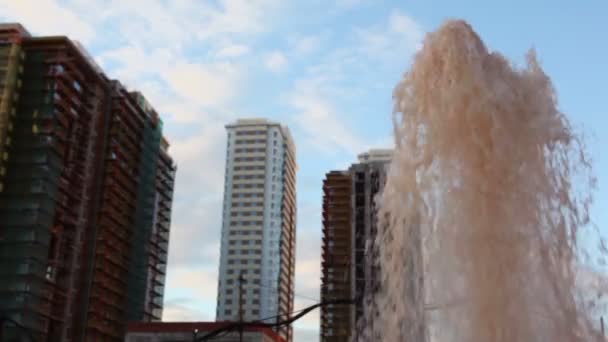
(144, 214)
(159, 243)
(85, 195)
(11, 58)
(336, 321)
(107, 284)
(27, 202)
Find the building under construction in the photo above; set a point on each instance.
(349, 232)
(336, 252)
(86, 187)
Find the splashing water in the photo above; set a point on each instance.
(484, 201)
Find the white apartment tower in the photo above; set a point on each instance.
(259, 223)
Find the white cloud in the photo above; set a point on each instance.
(328, 85)
(193, 302)
(182, 313)
(306, 45)
(232, 50)
(189, 246)
(276, 61)
(47, 17)
(182, 90)
(404, 24)
(324, 127)
(349, 3)
(239, 16)
(206, 85)
(178, 23)
(308, 268)
(399, 38)
(135, 62)
(201, 160)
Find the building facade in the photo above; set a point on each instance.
(189, 331)
(368, 179)
(85, 195)
(336, 257)
(349, 232)
(257, 260)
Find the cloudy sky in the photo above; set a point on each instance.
(325, 68)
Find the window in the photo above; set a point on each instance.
(255, 312)
(245, 242)
(230, 281)
(243, 261)
(230, 261)
(256, 291)
(228, 302)
(229, 292)
(77, 86)
(256, 301)
(227, 312)
(58, 69)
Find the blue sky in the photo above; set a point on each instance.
(326, 69)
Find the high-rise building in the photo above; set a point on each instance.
(85, 195)
(257, 259)
(336, 322)
(349, 232)
(368, 179)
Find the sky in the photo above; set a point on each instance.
(324, 68)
